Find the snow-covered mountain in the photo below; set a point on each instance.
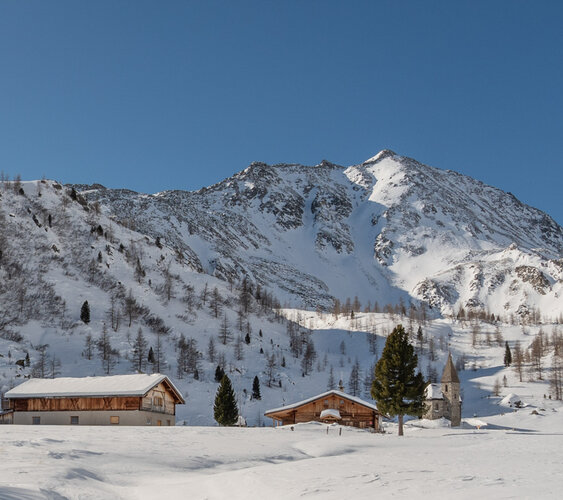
(386, 230)
(172, 265)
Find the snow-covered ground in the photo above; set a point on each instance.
(497, 454)
(517, 455)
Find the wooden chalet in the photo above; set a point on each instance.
(329, 407)
(113, 400)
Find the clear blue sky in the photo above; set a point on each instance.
(155, 95)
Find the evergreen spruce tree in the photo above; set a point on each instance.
(85, 312)
(256, 388)
(507, 355)
(396, 387)
(225, 411)
(219, 373)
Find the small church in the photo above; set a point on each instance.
(444, 399)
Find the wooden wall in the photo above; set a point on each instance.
(152, 398)
(76, 404)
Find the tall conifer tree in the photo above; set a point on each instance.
(225, 410)
(85, 312)
(507, 355)
(256, 388)
(396, 387)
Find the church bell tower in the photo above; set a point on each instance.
(450, 391)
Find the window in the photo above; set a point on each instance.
(341, 402)
(36, 420)
(446, 390)
(168, 423)
(157, 401)
(74, 420)
(326, 403)
(114, 420)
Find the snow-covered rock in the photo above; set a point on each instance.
(512, 401)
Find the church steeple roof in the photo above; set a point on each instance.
(450, 373)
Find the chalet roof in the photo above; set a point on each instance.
(114, 385)
(433, 391)
(324, 395)
(450, 373)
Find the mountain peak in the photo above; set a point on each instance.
(384, 153)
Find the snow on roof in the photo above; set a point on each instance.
(434, 391)
(330, 412)
(115, 385)
(323, 395)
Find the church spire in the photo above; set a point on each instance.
(450, 373)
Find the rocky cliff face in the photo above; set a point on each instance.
(386, 230)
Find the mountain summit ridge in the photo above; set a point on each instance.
(388, 229)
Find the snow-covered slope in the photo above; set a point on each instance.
(389, 229)
(58, 251)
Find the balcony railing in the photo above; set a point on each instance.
(166, 408)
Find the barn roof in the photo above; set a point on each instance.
(324, 395)
(114, 385)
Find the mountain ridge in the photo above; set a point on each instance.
(405, 208)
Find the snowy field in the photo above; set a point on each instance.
(517, 455)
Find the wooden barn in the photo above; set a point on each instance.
(331, 406)
(113, 400)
